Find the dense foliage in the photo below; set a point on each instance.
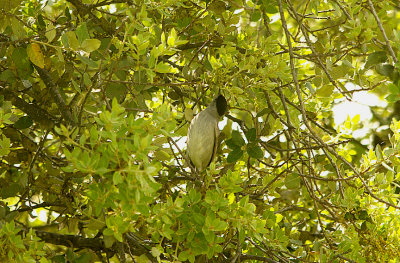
(95, 101)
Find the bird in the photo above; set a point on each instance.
(203, 132)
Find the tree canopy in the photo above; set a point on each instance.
(95, 101)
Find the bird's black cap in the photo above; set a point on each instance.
(221, 105)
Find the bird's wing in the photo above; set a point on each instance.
(215, 146)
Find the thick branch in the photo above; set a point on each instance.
(35, 112)
(55, 94)
(95, 244)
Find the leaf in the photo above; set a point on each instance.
(117, 178)
(116, 90)
(255, 16)
(162, 68)
(7, 76)
(82, 32)
(90, 45)
(162, 155)
(386, 70)
(392, 98)
(21, 60)
(237, 138)
(263, 112)
(255, 151)
(188, 114)
(50, 32)
(270, 7)
(234, 155)
(23, 123)
(35, 55)
(172, 37)
(217, 7)
(208, 65)
(4, 146)
(72, 40)
(88, 61)
(155, 251)
(325, 91)
(251, 135)
(375, 58)
(40, 22)
(18, 29)
(8, 5)
(108, 238)
(292, 181)
(10, 191)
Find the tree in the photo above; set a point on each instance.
(95, 101)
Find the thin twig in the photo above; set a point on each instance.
(389, 47)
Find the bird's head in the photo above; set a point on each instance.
(221, 104)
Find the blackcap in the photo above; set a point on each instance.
(202, 138)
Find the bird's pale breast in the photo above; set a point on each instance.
(202, 135)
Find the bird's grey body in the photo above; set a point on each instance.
(203, 134)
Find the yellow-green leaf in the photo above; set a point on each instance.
(90, 45)
(162, 67)
(50, 32)
(17, 28)
(35, 55)
(72, 40)
(188, 114)
(325, 91)
(7, 5)
(172, 37)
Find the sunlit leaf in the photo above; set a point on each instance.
(90, 45)
(35, 54)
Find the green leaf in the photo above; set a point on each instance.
(4, 146)
(108, 238)
(375, 58)
(172, 37)
(237, 138)
(263, 112)
(251, 135)
(325, 91)
(117, 178)
(255, 16)
(88, 61)
(255, 151)
(231, 144)
(50, 32)
(116, 90)
(8, 5)
(392, 98)
(292, 181)
(7, 76)
(11, 190)
(82, 32)
(394, 89)
(386, 70)
(17, 28)
(208, 65)
(162, 68)
(90, 45)
(85, 257)
(234, 155)
(21, 60)
(23, 123)
(72, 40)
(270, 7)
(58, 259)
(217, 7)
